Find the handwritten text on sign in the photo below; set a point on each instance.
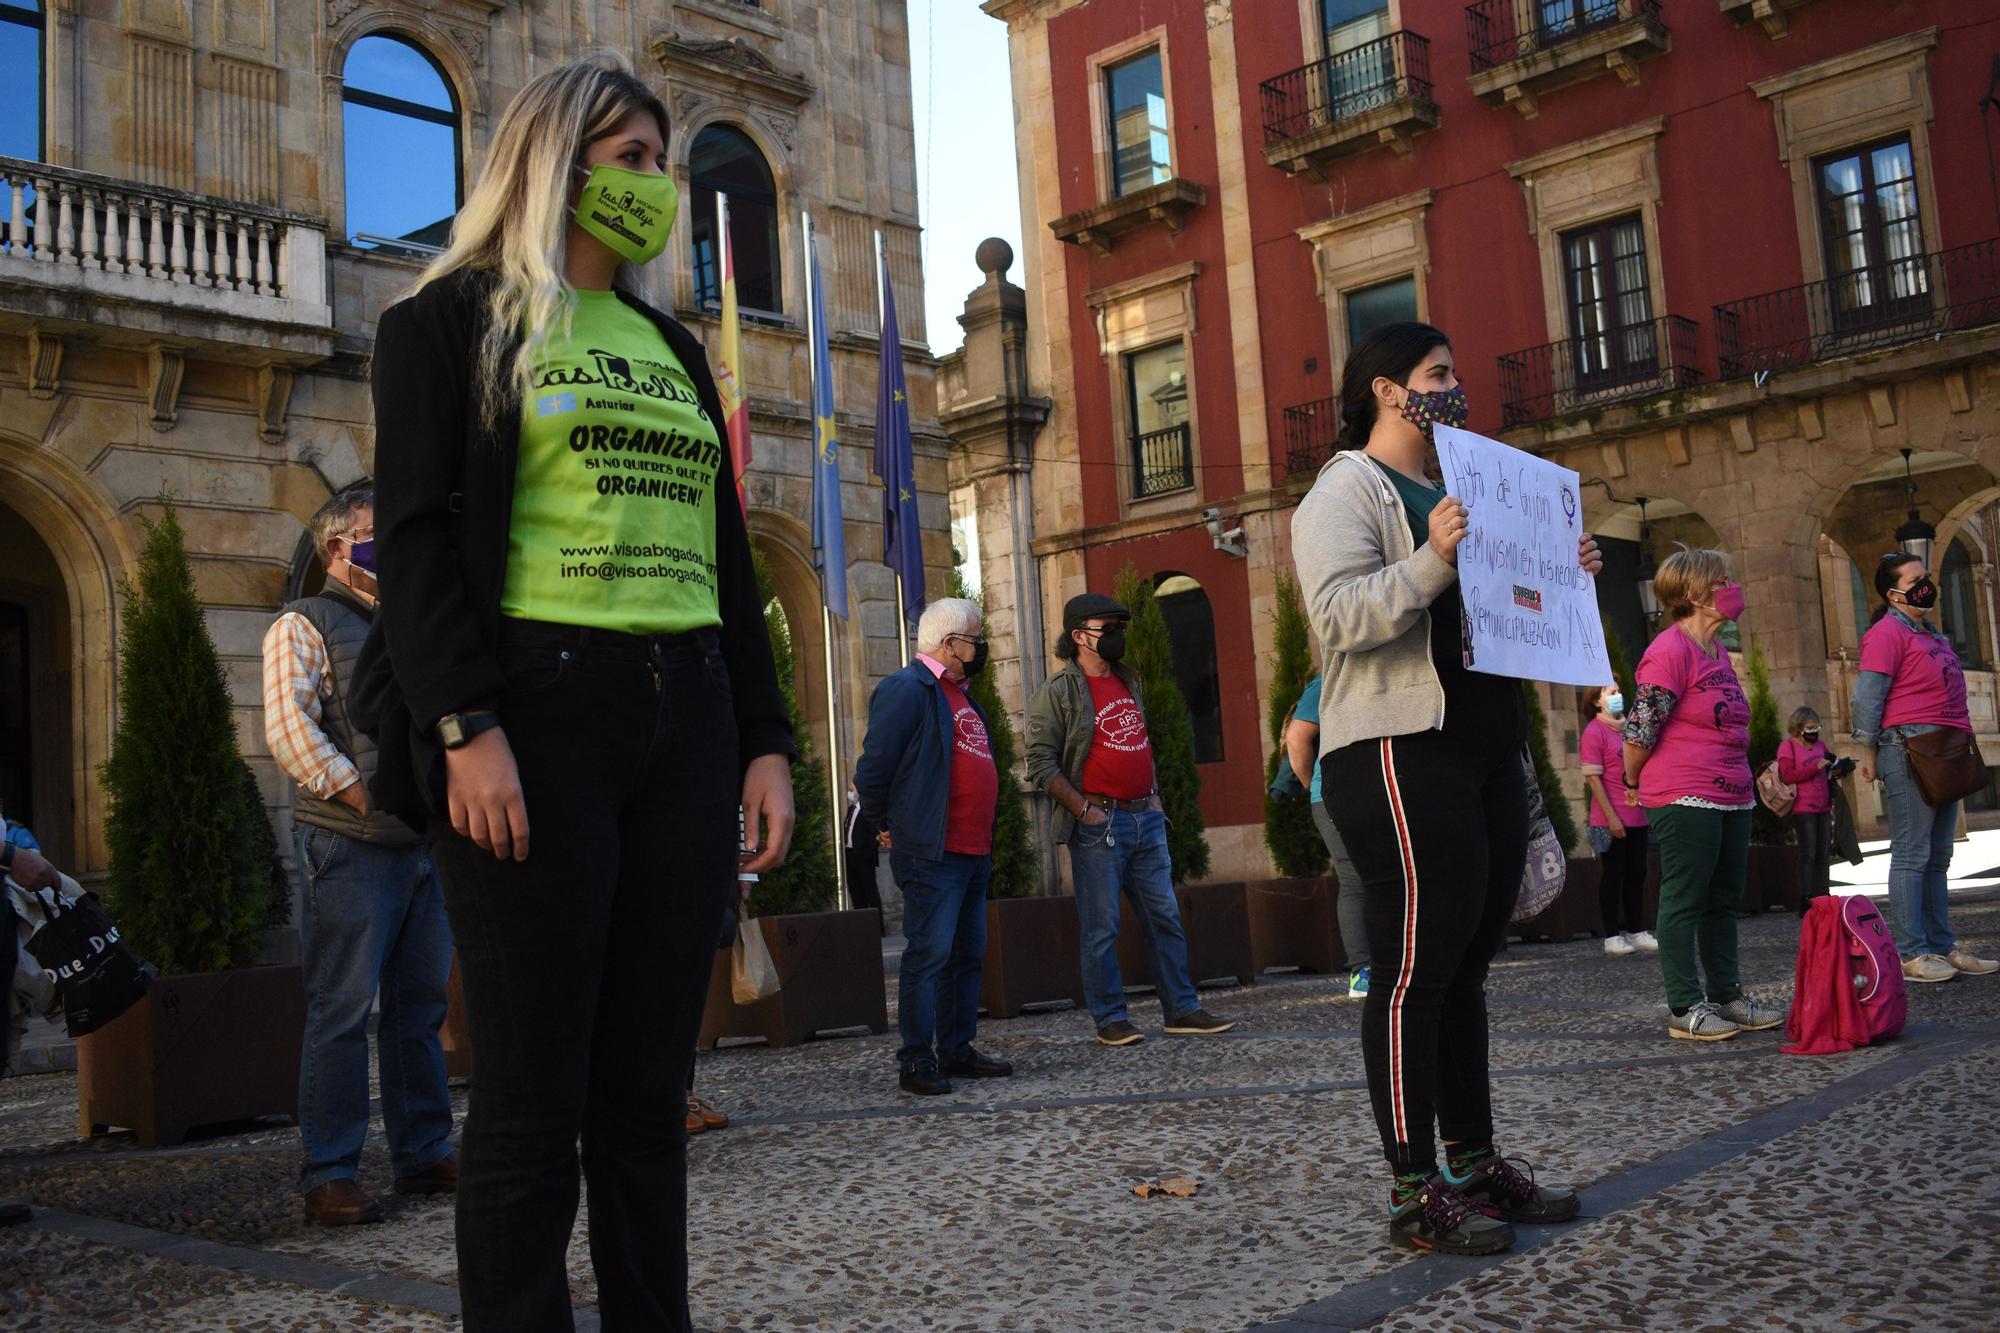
(1530, 609)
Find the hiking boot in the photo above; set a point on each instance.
(1746, 1013)
(1643, 941)
(1928, 967)
(1435, 1216)
(1500, 1189)
(1198, 1023)
(1357, 987)
(1619, 946)
(1119, 1033)
(1704, 1022)
(1970, 963)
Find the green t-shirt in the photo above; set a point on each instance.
(1419, 498)
(614, 492)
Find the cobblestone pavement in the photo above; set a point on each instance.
(1725, 1186)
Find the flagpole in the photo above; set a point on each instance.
(881, 318)
(842, 896)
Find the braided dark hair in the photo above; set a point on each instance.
(1392, 351)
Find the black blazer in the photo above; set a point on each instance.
(444, 499)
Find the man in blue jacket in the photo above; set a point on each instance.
(927, 776)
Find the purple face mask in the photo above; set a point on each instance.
(1447, 407)
(362, 554)
(1729, 601)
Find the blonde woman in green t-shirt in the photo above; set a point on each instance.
(583, 690)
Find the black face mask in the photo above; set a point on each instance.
(1922, 594)
(1111, 643)
(1811, 735)
(975, 664)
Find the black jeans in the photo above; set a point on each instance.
(1621, 884)
(1815, 856)
(1437, 827)
(585, 968)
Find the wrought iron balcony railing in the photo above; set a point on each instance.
(1883, 305)
(1576, 374)
(1502, 31)
(1162, 461)
(1347, 84)
(1312, 432)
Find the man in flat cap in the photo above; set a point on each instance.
(1088, 749)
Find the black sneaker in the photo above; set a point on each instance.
(974, 1065)
(1437, 1217)
(13, 1214)
(1500, 1189)
(1120, 1033)
(1198, 1023)
(923, 1081)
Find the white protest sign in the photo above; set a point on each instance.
(1530, 610)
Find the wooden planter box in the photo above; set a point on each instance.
(1217, 924)
(1293, 924)
(1573, 913)
(1031, 955)
(207, 1049)
(830, 975)
(1773, 882)
(456, 1034)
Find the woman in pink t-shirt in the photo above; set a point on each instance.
(1911, 683)
(1687, 744)
(1803, 761)
(1617, 827)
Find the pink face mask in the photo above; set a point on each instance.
(1729, 601)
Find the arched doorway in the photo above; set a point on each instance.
(1191, 626)
(35, 658)
(1632, 541)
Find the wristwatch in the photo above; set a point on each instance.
(455, 729)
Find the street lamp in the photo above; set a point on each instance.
(1916, 537)
(1649, 601)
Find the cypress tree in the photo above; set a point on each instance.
(1169, 726)
(1621, 665)
(1289, 832)
(1015, 873)
(808, 880)
(190, 882)
(1766, 734)
(1560, 814)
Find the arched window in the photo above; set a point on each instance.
(1191, 626)
(402, 125)
(725, 161)
(21, 79)
(1958, 602)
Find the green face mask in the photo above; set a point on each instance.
(632, 212)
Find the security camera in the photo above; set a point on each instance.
(1228, 540)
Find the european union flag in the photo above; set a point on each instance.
(828, 537)
(895, 462)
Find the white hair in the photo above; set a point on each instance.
(944, 618)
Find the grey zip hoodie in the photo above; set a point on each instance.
(1368, 588)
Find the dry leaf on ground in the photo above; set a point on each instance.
(1180, 1187)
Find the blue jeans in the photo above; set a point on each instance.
(1920, 839)
(944, 922)
(1128, 852)
(374, 919)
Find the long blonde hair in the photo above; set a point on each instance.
(515, 223)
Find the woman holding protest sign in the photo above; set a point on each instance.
(578, 648)
(1421, 766)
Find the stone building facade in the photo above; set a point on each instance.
(1730, 259)
(191, 267)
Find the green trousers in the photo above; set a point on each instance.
(1704, 859)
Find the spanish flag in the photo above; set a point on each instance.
(729, 360)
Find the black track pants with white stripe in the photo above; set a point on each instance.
(1437, 826)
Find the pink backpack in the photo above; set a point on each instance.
(1849, 986)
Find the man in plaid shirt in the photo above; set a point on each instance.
(374, 917)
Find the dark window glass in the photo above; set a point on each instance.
(1191, 627)
(1362, 74)
(1610, 302)
(725, 160)
(17, 769)
(21, 79)
(1559, 19)
(1959, 603)
(401, 124)
(1138, 107)
(1873, 232)
(1369, 308)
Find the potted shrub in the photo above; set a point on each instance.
(1773, 880)
(829, 962)
(1574, 911)
(191, 886)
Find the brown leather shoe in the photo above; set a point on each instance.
(695, 1123)
(709, 1116)
(441, 1178)
(340, 1203)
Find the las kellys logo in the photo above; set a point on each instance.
(1123, 725)
(972, 734)
(623, 212)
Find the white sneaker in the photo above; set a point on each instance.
(1644, 942)
(1970, 963)
(1619, 946)
(1928, 967)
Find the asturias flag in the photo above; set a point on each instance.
(895, 464)
(828, 537)
(729, 359)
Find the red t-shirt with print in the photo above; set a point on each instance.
(975, 782)
(1120, 763)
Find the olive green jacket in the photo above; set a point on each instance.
(1062, 722)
